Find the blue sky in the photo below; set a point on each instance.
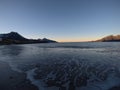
(61, 20)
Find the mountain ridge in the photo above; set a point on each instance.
(16, 38)
(110, 38)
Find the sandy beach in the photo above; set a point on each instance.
(11, 80)
(60, 66)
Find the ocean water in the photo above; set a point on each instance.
(66, 66)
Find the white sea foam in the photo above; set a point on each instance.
(38, 83)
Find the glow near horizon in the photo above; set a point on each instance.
(61, 20)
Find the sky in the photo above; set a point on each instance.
(61, 20)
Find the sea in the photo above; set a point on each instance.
(66, 66)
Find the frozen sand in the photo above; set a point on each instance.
(12, 80)
(65, 66)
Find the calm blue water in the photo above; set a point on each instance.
(66, 66)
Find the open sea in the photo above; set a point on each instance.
(64, 66)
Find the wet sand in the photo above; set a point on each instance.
(11, 80)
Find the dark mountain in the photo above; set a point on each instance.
(16, 38)
(47, 40)
(110, 38)
(13, 36)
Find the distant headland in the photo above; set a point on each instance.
(110, 38)
(16, 38)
